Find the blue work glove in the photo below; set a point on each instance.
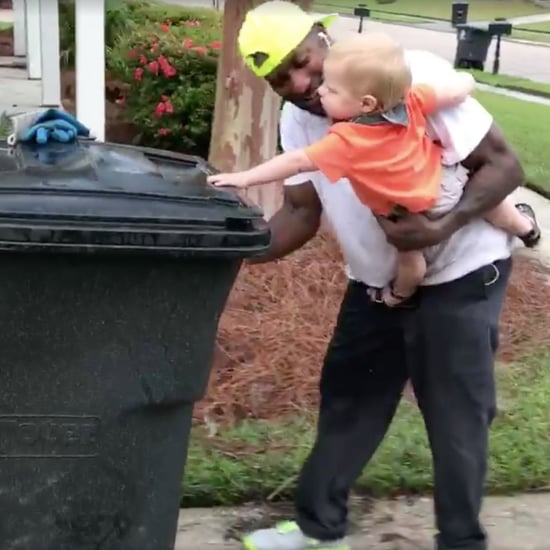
(53, 130)
(55, 125)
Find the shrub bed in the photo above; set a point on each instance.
(169, 72)
(161, 62)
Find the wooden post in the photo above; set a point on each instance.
(246, 117)
(246, 112)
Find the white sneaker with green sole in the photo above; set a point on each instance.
(288, 536)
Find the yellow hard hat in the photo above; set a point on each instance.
(274, 29)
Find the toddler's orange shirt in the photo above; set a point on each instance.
(388, 163)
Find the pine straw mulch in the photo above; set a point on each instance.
(279, 319)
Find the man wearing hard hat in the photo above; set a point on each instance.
(444, 340)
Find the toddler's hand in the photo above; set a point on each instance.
(237, 179)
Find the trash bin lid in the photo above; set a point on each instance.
(110, 198)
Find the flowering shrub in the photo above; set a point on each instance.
(170, 74)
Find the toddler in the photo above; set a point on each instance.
(378, 142)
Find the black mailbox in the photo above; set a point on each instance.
(500, 28)
(361, 11)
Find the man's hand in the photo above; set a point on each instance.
(494, 173)
(236, 179)
(416, 231)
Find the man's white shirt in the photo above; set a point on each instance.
(368, 255)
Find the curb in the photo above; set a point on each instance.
(519, 89)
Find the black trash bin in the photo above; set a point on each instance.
(116, 265)
(472, 47)
(474, 40)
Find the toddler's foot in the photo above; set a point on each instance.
(392, 298)
(531, 238)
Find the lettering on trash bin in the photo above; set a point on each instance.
(117, 238)
(49, 436)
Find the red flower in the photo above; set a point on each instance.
(201, 50)
(164, 107)
(138, 74)
(154, 67)
(164, 132)
(165, 27)
(120, 100)
(142, 60)
(132, 54)
(160, 110)
(215, 45)
(192, 23)
(167, 69)
(154, 47)
(188, 43)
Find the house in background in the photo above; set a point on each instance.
(36, 49)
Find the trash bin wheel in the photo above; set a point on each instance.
(468, 64)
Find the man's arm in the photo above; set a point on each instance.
(299, 218)
(295, 223)
(495, 172)
(455, 90)
(442, 95)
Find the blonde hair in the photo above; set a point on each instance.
(372, 64)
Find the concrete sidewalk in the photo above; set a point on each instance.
(17, 93)
(513, 523)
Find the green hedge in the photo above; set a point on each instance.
(123, 15)
(170, 73)
(165, 58)
(117, 21)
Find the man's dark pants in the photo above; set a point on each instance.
(445, 346)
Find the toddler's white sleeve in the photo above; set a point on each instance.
(460, 129)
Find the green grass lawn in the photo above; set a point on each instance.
(525, 126)
(437, 9)
(544, 26)
(531, 36)
(512, 82)
(535, 32)
(258, 460)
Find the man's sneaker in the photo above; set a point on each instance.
(288, 536)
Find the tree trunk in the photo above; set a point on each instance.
(246, 116)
